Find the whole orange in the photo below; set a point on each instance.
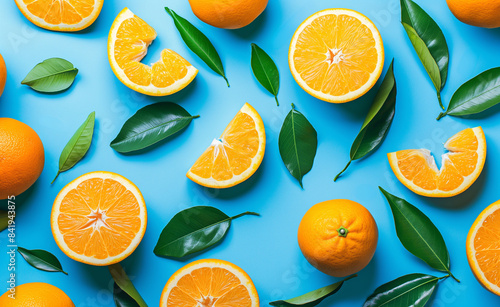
(36, 294)
(228, 14)
(3, 74)
(479, 13)
(338, 237)
(21, 157)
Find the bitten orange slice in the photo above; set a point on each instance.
(61, 15)
(235, 156)
(99, 218)
(207, 283)
(461, 166)
(128, 42)
(483, 248)
(336, 55)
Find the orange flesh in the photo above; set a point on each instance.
(335, 54)
(232, 154)
(460, 162)
(208, 287)
(99, 218)
(487, 247)
(60, 11)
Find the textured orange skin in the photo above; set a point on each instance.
(21, 157)
(479, 13)
(330, 253)
(228, 14)
(37, 294)
(3, 75)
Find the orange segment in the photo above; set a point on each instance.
(336, 55)
(210, 282)
(99, 218)
(61, 15)
(236, 155)
(461, 166)
(483, 248)
(128, 42)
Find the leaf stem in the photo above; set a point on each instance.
(440, 101)
(345, 168)
(441, 115)
(124, 282)
(227, 81)
(451, 275)
(245, 213)
(57, 175)
(196, 116)
(444, 277)
(277, 102)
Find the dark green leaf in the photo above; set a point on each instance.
(298, 142)
(193, 230)
(198, 43)
(150, 125)
(377, 122)
(41, 260)
(4, 220)
(265, 71)
(50, 76)
(410, 290)
(123, 281)
(476, 95)
(77, 146)
(312, 298)
(418, 234)
(428, 41)
(121, 298)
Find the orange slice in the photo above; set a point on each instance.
(128, 42)
(461, 166)
(483, 248)
(99, 218)
(336, 55)
(61, 15)
(235, 156)
(209, 282)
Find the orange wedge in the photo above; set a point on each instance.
(99, 218)
(61, 15)
(128, 42)
(336, 55)
(235, 156)
(483, 248)
(209, 282)
(461, 166)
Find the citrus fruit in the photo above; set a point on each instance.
(232, 14)
(479, 13)
(61, 15)
(210, 282)
(128, 42)
(99, 218)
(21, 157)
(3, 75)
(460, 167)
(36, 294)
(338, 237)
(235, 156)
(336, 55)
(483, 248)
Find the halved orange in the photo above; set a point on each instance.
(236, 155)
(128, 42)
(461, 166)
(61, 15)
(483, 248)
(209, 282)
(336, 55)
(99, 218)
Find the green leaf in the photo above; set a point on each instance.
(121, 298)
(418, 234)
(410, 290)
(429, 43)
(198, 43)
(41, 260)
(4, 220)
(123, 281)
(77, 146)
(193, 230)
(50, 76)
(150, 125)
(476, 95)
(377, 122)
(312, 298)
(298, 142)
(265, 71)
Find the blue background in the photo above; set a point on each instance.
(265, 247)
